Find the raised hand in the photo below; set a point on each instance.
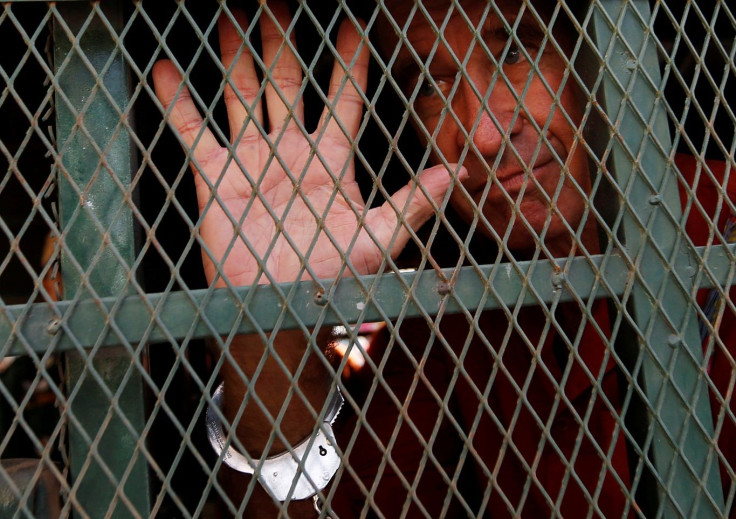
(286, 199)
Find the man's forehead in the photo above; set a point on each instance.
(401, 10)
(465, 15)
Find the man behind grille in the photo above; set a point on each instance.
(515, 412)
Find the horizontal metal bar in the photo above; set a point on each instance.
(176, 315)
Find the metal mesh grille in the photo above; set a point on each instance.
(505, 231)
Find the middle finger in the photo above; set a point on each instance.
(238, 61)
(284, 74)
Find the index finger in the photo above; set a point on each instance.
(348, 83)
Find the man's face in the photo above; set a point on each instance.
(514, 134)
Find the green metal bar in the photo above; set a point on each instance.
(174, 315)
(105, 391)
(179, 314)
(666, 353)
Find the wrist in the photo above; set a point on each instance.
(285, 377)
(298, 473)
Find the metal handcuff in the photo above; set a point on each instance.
(301, 472)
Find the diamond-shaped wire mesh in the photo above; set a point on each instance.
(502, 231)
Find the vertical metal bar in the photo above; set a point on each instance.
(666, 350)
(110, 474)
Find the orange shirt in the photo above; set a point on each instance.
(497, 416)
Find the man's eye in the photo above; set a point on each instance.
(513, 56)
(426, 88)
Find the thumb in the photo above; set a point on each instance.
(412, 205)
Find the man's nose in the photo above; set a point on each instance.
(489, 119)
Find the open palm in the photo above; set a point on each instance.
(287, 202)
